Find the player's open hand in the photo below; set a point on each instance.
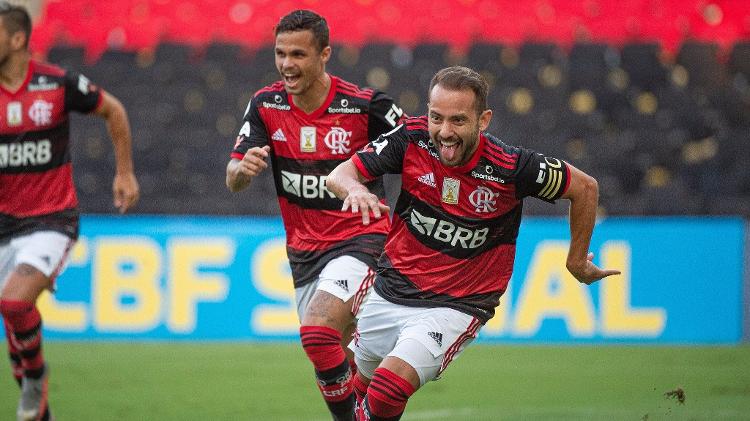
(361, 200)
(254, 161)
(125, 191)
(588, 273)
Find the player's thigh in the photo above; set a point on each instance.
(343, 283)
(433, 339)
(378, 327)
(33, 262)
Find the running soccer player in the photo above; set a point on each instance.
(308, 123)
(38, 204)
(449, 254)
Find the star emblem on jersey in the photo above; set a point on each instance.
(483, 200)
(343, 284)
(437, 336)
(307, 138)
(278, 135)
(337, 141)
(428, 179)
(451, 188)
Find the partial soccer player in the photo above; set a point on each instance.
(449, 254)
(307, 123)
(38, 204)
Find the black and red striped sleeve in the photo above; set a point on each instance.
(253, 132)
(384, 155)
(80, 94)
(383, 116)
(541, 176)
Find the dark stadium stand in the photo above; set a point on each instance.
(651, 97)
(663, 136)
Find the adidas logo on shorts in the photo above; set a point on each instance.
(343, 284)
(438, 337)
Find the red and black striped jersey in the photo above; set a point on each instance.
(36, 180)
(454, 232)
(305, 148)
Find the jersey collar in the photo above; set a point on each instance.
(323, 107)
(29, 73)
(474, 158)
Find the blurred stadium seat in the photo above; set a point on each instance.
(660, 113)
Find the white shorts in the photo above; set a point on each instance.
(47, 251)
(344, 277)
(428, 339)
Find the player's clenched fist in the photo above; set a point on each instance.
(241, 171)
(254, 161)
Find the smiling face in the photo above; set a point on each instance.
(299, 61)
(454, 124)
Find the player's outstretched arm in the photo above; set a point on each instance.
(346, 182)
(583, 193)
(240, 172)
(125, 188)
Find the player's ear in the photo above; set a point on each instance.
(484, 120)
(18, 40)
(325, 55)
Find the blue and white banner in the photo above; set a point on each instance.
(211, 278)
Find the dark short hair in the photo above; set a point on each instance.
(457, 78)
(305, 20)
(16, 18)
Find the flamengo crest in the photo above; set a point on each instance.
(483, 200)
(337, 141)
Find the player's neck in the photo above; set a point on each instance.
(14, 70)
(315, 96)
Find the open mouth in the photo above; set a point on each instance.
(449, 148)
(291, 80)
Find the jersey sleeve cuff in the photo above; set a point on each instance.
(567, 179)
(361, 167)
(237, 155)
(99, 101)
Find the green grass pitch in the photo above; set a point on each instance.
(251, 381)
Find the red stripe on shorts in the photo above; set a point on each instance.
(471, 332)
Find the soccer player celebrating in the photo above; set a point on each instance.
(449, 254)
(307, 123)
(38, 204)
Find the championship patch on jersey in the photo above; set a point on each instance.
(307, 139)
(14, 114)
(451, 188)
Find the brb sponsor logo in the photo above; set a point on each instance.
(337, 141)
(304, 185)
(21, 154)
(448, 232)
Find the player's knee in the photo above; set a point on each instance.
(387, 394)
(425, 360)
(325, 309)
(11, 309)
(22, 316)
(323, 347)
